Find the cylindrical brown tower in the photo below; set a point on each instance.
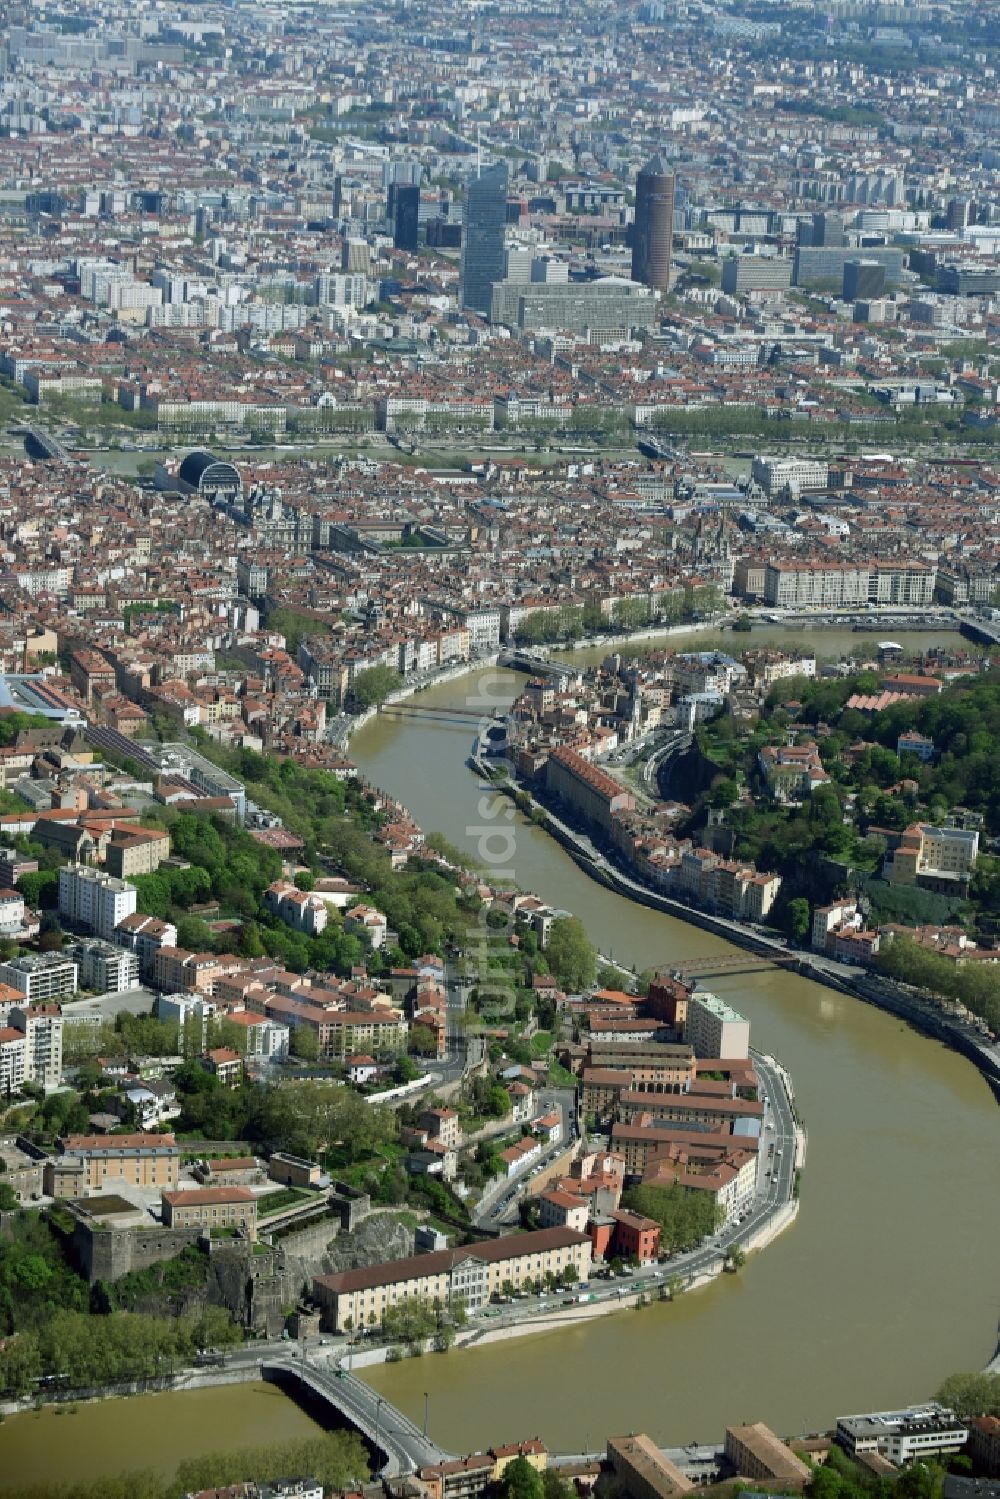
(654, 225)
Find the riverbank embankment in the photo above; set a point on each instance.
(923, 1015)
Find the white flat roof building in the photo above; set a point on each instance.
(914, 1432)
(715, 1029)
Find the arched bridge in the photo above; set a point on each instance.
(400, 1446)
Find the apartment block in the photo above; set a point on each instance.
(136, 851)
(299, 910)
(908, 583)
(935, 858)
(104, 967)
(12, 1060)
(816, 585)
(715, 1029)
(177, 969)
(183, 1009)
(93, 899)
(40, 976)
(827, 919)
(145, 936)
(591, 793)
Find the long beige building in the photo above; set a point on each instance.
(644, 1471)
(755, 1452)
(89, 1163)
(212, 1207)
(471, 1274)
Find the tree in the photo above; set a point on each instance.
(195, 934)
(410, 1321)
(685, 1217)
(520, 1480)
(8, 1198)
(250, 943)
(571, 954)
(799, 920)
(304, 1044)
(39, 889)
(724, 793)
(371, 687)
(971, 1394)
(406, 1069)
(490, 1098)
(422, 1041)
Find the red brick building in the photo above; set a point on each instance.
(635, 1237)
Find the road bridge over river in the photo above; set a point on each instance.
(538, 666)
(398, 1442)
(40, 444)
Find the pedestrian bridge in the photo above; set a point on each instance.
(451, 715)
(400, 1446)
(740, 962)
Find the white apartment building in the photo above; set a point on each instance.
(484, 628)
(909, 583)
(145, 935)
(42, 1028)
(40, 976)
(794, 474)
(185, 1010)
(104, 967)
(781, 671)
(715, 1029)
(918, 1431)
(12, 1059)
(816, 585)
(269, 1040)
(95, 900)
(11, 913)
(827, 919)
(367, 920)
(738, 1192)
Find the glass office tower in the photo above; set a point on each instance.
(482, 237)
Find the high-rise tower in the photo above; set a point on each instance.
(482, 236)
(404, 214)
(654, 225)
